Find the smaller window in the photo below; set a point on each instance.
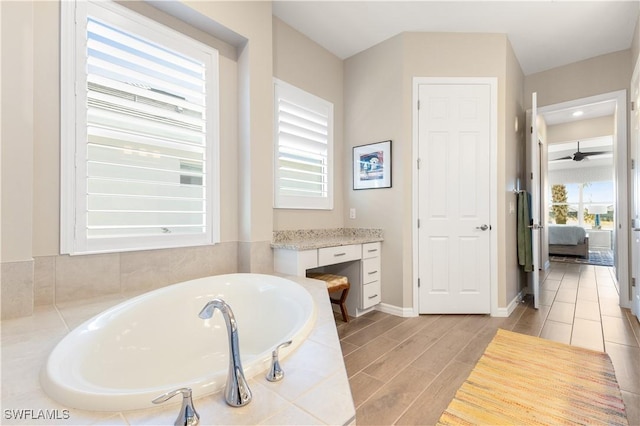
(303, 137)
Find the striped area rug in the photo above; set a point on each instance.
(525, 380)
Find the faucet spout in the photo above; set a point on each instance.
(237, 392)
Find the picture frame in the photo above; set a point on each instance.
(372, 166)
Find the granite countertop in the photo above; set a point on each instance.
(309, 239)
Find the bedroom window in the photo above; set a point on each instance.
(587, 204)
(303, 137)
(139, 133)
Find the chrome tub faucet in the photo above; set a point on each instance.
(237, 392)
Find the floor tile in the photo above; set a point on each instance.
(567, 295)
(587, 310)
(588, 293)
(618, 330)
(556, 331)
(388, 404)
(587, 334)
(362, 387)
(562, 312)
(426, 410)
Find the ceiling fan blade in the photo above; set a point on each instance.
(570, 157)
(586, 154)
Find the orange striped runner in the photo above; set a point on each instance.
(525, 380)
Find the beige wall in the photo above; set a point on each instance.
(17, 130)
(595, 76)
(375, 106)
(583, 129)
(635, 44)
(303, 63)
(514, 279)
(378, 106)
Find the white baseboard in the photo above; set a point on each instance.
(395, 310)
(505, 312)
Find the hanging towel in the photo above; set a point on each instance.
(525, 250)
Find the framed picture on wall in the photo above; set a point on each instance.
(372, 166)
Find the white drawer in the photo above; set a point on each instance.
(370, 294)
(333, 255)
(370, 250)
(370, 270)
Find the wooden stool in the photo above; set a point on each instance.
(335, 283)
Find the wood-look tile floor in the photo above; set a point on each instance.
(406, 370)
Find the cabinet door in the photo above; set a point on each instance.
(370, 294)
(370, 270)
(370, 250)
(333, 255)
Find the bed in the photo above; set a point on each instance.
(568, 240)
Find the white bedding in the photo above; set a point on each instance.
(566, 234)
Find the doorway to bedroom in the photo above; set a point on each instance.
(584, 184)
(580, 188)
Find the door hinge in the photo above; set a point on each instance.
(633, 163)
(418, 223)
(531, 175)
(633, 106)
(418, 164)
(418, 104)
(531, 131)
(633, 282)
(418, 282)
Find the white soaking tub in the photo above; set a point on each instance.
(126, 356)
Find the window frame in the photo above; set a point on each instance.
(73, 130)
(315, 103)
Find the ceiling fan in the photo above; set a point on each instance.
(579, 155)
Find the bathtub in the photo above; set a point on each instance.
(126, 356)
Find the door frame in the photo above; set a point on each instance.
(622, 195)
(493, 85)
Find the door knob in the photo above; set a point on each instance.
(483, 227)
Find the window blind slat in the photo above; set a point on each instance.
(319, 116)
(134, 76)
(301, 144)
(118, 121)
(116, 103)
(133, 141)
(131, 58)
(95, 26)
(97, 81)
(122, 187)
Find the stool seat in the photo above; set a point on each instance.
(335, 283)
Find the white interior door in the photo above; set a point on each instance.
(534, 190)
(635, 190)
(454, 206)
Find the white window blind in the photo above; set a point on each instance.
(304, 149)
(145, 129)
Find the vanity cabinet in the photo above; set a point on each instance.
(370, 275)
(359, 262)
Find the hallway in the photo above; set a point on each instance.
(406, 370)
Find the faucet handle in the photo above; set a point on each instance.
(275, 372)
(188, 415)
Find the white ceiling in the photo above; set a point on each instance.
(544, 34)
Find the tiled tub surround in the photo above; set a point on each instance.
(308, 239)
(58, 279)
(315, 389)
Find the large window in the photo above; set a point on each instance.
(139, 133)
(590, 205)
(303, 149)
